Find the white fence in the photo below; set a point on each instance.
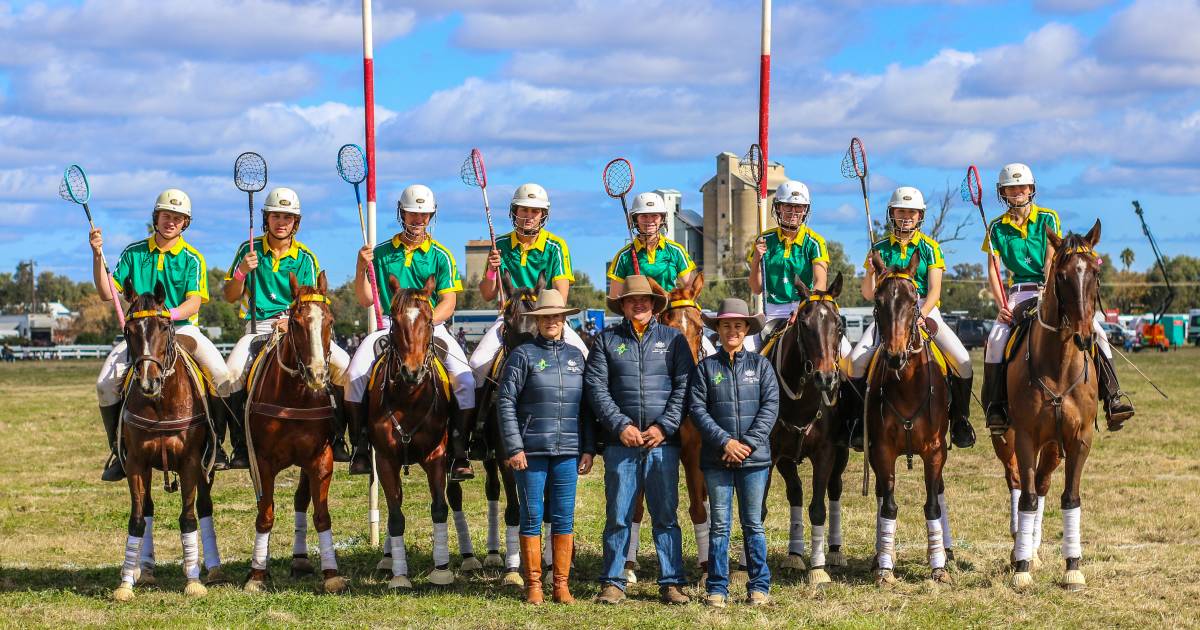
(57, 353)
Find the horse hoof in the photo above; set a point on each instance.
(385, 564)
(885, 578)
(835, 559)
(941, 576)
(255, 586)
(336, 584)
(513, 579)
(441, 577)
(124, 593)
(818, 577)
(146, 577)
(400, 581)
(215, 576)
(195, 589)
(1074, 581)
(471, 564)
(301, 566)
(630, 576)
(794, 562)
(1022, 580)
(493, 560)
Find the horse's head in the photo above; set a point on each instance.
(412, 329)
(150, 338)
(1073, 277)
(683, 312)
(896, 312)
(517, 329)
(310, 324)
(819, 332)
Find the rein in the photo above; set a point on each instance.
(807, 368)
(392, 381)
(915, 345)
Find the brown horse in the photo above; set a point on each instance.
(810, 380)
(906, 413)
(288, 423)
(1053, 400)
(408, 411)
(164, 425)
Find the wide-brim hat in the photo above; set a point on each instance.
(550, 302)
(734, 308)
(637, 285)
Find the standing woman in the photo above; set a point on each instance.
(734, 401)
(544, 441)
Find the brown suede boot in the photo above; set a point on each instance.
(531, 567)
(564, 547)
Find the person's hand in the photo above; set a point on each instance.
(494, 259)
(760, 249)
(518, 461)
(96, 241)
(365, 256)
(1005, 315)
(249, 262)
(281, 324)
(585, 463)
(652, 437)
(735, 452)
(632, 437)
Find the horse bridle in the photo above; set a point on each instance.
(1062, 323)
(807, 368)
(394, 363)
(302, 370)
(166, 367)
(914, 343)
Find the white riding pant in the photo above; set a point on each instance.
(358, 374)
(238, 362)
(490, 344)
(956, 353)
(998, 338)
(108, 385)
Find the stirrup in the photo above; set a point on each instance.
(462, 473)
(1116, 421)
(998, 429)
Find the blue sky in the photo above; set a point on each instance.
(1097, 96)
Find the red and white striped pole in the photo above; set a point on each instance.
(369, 109)
(764, 109)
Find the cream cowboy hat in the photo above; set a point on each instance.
(550, 302)
(735, 308)
(637, 285)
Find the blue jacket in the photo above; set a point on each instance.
(538, 400)
(639, 382)
(739, 401)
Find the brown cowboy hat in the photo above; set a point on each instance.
(550, 302)
(735, 308)
(638, 285)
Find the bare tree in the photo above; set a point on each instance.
(939, 219)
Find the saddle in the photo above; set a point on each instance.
(1024, 315)
(772, 329)
(383, 349)
(384, 344)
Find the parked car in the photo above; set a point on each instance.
(972, 332)
(1116, 333)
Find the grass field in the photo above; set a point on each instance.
(62, 533)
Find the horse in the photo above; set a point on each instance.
(164, 425)
(806, 360)
(907, 412)
(1053, 402)
(408, 411)
(288, 423)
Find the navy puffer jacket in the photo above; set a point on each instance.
(539, 400)
(738, 401)
(639, 381)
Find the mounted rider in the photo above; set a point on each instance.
(1018, 239)
(906, 213)
(411, 256)
(283, 255)
(162, 259)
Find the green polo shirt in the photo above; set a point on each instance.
(787, 258)
(896, 254)
(272, 284)
(1022, 248)
(180, 269)
(665, 263)
(548, 255)
(412, 267)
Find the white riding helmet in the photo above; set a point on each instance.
(648, 203)
(417, 198)
(1015, 174)
(283, 200)
(531, 196)
(174, 200)
(907, 197)
(792, 192)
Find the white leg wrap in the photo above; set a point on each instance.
(1072, 546)
(328, 557)
(300, 541)
(947, 539)
(1037, 525)
(937, 553)
(261, 547)
(547, 548)
(399, 555)
(133, 548)
(818, 546)
(635, 540)
(387, 545)
(702, 530)
(512, 547)
(835, 522)
(796, 531)
(885, 542)
(191, 555)
(208, 538)
(493, 525)
(441, 544)
(463, 533)
(1015, 498)
(147, 555)
(1023, 545)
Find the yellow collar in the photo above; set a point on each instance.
(912, 242)
(399, 243)
(293, 250)
(174, 250)
(539, 243)
(788, 243)
(639, 245)
(1022, 227)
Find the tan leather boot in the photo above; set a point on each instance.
(564, 547)
(531, 567)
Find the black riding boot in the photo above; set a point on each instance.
(340, 452)
(113, 470)
(995, 397)
(360, 460)
(240, 460)
(460, 435)
(220, 420)
(477, 449)
(841, 430)
(1117, 406)
(854, 411)
(961, 433)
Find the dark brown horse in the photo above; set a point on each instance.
(907, 414)
(408, 411)
(806, 360)
(1053, 399)
(289, 419)
(164, 426)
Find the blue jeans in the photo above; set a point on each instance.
(749, 484)
(562, 472)
(627, 470)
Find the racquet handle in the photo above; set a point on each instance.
(637, 268)
(371, 266)
(867, 207)
(487, 212)
(252, 302)
(992, 259)
(112, 284)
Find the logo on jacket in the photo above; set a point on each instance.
(621, 348)
(573, 367)
(541, 365)
(660, 347)
(750, 376)
(719, 378)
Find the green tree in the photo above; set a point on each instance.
(1127, 258)
(218, 312)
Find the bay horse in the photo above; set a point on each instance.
(1053, 400)
(805, 356)
(164, 425)
(408, 411)
(907, 413)
(289, 418)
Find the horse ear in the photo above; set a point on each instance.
(656, 287)
(506, 281)
(800, 287)
(913, 262)
(160, 293)
(877, 263)
(1093, 235)
(322, 283)
(294, 284)
(835, 287)
(697, 283)
(130, 293)
(430, 286)
(541, 283)
(1054, 239)
(393, 286)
